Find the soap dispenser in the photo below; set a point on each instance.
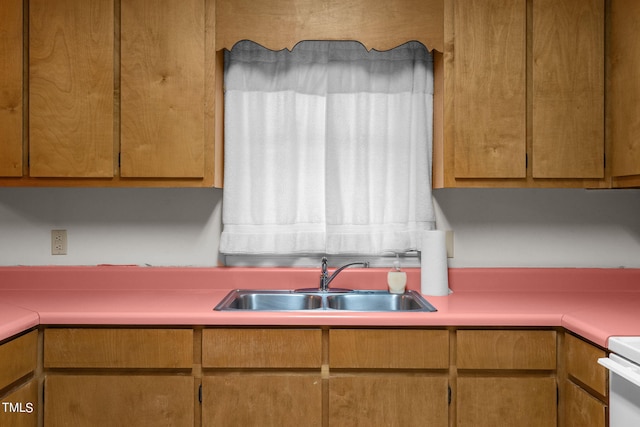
(396, 279)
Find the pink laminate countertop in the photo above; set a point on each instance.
(14, 320)
(594, 303)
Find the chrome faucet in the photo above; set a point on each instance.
(325, 278)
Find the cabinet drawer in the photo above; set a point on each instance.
(118, 348)
(582, 364)
(18, 358)
(261, 348)
(389, 348)
(511, 349)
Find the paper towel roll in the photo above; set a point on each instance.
(434, 275)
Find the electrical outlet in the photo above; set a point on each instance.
(58, 242)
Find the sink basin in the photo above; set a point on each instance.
(269, 301)
(381, 301)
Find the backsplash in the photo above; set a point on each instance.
(181, 227)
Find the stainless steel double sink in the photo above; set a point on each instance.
(357, 300)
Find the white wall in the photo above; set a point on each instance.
(542, 227)
(159, 227)
(181, 227)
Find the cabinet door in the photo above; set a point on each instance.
(388, 400)
(119, 400)
(581, 409)
(485, 89)
(568, 89)
(71, 88)
(11, 88)
(623, 93)
(20, 408)
(506, 401)
(162, 89)
(285, 399)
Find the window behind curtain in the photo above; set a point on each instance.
(327, 149)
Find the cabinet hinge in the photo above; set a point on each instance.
(200, 394)
(449, 394)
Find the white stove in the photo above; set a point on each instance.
(624, 381)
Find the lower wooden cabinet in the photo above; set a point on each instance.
(389, 377)
(119, 377)
(18, 385)
(314, 376)
(262, 377)
(584, 395)
(506, 378)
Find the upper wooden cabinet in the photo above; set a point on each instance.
(11, 88)
(377, 24)
(623, 92)
(523, 94)
(121, 93)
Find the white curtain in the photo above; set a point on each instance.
(327, 149)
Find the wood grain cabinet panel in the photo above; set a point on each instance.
(118, 348)
(581, 360)
(261, 348)
(378, 24)
(388, 400)
(486, 73)
(11, 40)
(506, 349)
(18, 358)
(71, 88)
(389, 348)
(623, 92)
(118, 400)
(162, 89)
(276, 400)
(568, 89)
(506, 401)
(25, 406)
(582, 409)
